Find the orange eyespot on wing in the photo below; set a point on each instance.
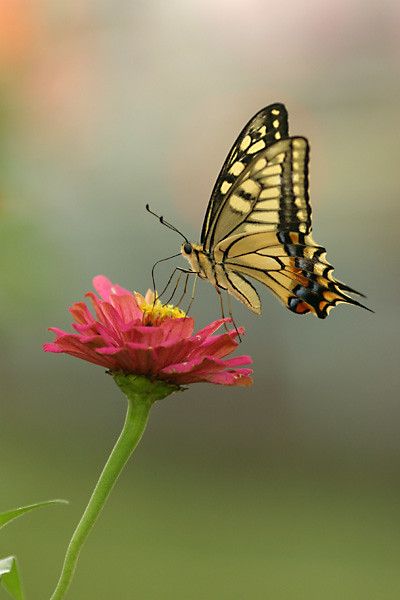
(298, 306)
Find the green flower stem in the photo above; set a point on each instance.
(141, 394)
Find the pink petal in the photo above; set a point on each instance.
(93, 341)
(238, 361)
(95, 303)
(121, 356)
(177, 329)
(107, 334)
(104, 287)
(106, 313)
(136, 358)
(81, 313)
(206, 370)
(173, 352)
(212, 327)
(218, 346)
(240, 377)
(58, 331)
(142, 359)
(195, 365)
(126, 307)
(85, 328)
(111, 318)
(51, 347)
(149, 336)
(70, 344)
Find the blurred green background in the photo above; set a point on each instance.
(289, 490)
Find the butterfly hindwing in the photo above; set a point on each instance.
(268, 126)
(291, 265)
(242, 289)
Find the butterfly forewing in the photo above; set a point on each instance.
(270, 195)
(268, 126)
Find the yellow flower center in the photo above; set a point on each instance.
(154, 311)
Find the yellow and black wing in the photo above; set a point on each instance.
(258, 221)
(290, 264)
(271, 194)
(268, 126)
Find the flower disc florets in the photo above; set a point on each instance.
(135, 334)
(154, 311)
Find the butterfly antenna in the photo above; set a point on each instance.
(166, 223)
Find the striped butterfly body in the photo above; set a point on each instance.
(258, 223)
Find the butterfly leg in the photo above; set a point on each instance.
(153, 279)
(177, 269)
(231, 316)
(187, 272)
(218, 290)
(221, 302)
(192, 296)
(185, 290)
(182, 296)
(178, 280)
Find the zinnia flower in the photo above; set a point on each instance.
(151, 351)
(135, 334)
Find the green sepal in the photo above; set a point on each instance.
(10, 578)
(10, 515)
(138, 388)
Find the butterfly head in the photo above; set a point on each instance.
(195, 256)
(187, 249)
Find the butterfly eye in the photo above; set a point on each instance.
(187, 248)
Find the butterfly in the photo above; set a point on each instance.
(258, 224)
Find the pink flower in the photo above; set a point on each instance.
(138, 335)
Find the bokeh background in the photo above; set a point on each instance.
(289, 490)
